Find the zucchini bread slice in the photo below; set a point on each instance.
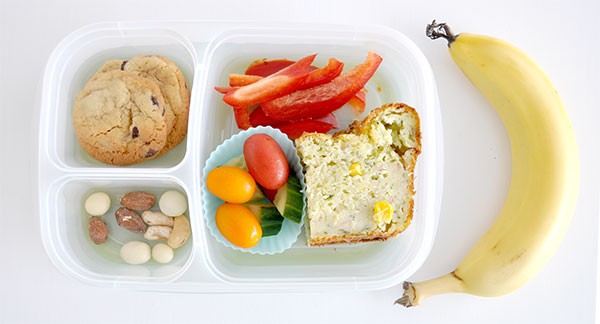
(359, 182)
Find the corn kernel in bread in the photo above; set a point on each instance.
(359, 182)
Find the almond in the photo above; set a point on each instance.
(138, 200)
(130, 220)
(97, 229)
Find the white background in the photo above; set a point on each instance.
(561, 36)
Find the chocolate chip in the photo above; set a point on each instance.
(135, 132)
(150, 153)
(154, 101)
(123, 65)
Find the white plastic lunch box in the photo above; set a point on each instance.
(207, 52)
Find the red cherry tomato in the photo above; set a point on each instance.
(266, 161)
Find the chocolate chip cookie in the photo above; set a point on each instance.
(110, 66)
(119, 118)
(173, 87)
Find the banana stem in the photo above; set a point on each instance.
(415, 292)
(435, 31)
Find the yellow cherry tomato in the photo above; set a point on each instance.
(238, 225)
(232, 184)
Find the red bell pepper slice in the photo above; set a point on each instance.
(266, 67)
(296, 129)
(259, 118)
(315, 77)
(263, 67)
(329, 119)
(321, 76)
(270, 193)
(241, 113)
(359, 102)
(271, 87)
(242, 117)
(321, 100)
(224, 90)
(240, 80)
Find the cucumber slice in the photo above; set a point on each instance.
(238, 161)
(269, 218)
(289, 200)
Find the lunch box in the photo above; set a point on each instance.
(207, 52)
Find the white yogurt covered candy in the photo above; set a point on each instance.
(136, 252)
(97, 204)
(172, 203)
(162, 253)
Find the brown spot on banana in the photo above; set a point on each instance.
(453, 273)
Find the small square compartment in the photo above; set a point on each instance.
(101, 264)
(404, 76)
(78, 59)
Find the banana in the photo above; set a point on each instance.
(545, 171)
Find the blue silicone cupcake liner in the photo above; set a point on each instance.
(231, 148)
